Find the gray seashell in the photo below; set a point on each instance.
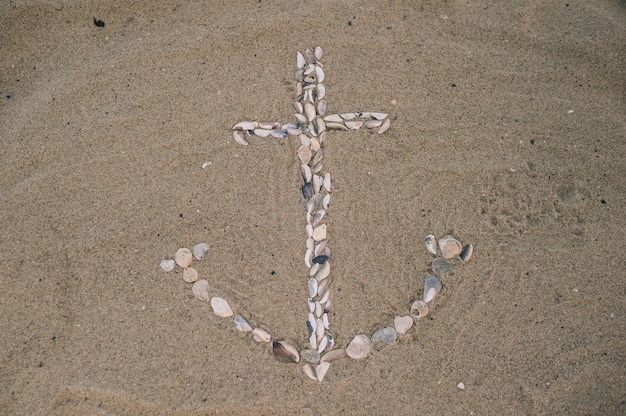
(432, 286)
(331, 340)
(359, 347)
(260, 335)
(384, 127)
(402, 324)
(168, 265)
(441, 267)
(285, 350)
(318, 181)
(310, 56)
(183, 257)
(199, 250)
(450, 247)
(240, 138)
(334, 355)
(419, 309)
(190, 274)
(385, 336)
(241, 324)
(221, 307)
(200, 290)
(310, 356)
(466, 253)
(321, 370)
(431, 244)
(278, 133)
(309, 371)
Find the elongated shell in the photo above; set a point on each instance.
(432, 286)
(431, 244)
(221, 307)
(466, 253)
(241, 324)
(261, 335)
(285, 350)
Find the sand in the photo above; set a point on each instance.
(507, 131)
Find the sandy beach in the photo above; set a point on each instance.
(507, 131)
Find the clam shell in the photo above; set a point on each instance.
(419, 309)
(359, 347)
(221, 307)
(323, 344)
(334, 355)
(333, 118)
(321, 91)
(304, 154)
(441, 267)
(200, 290)
(190, 275)
(321, 370)
(384, 127)
(379, 116)
(241, 324)
(310, 356)
(431, 244)
(432, 286)
(450, 247)
(313, 286)
(320, 73)
(168, 265)
(199, 250)
(326, 202)
(335, 126)
(183, 257)
(246, 125)
(240, 138)
(385, 336)
(260, 335)
(309, 111)
(321, 107)
(318, 53)
(300, 61)
(323, 272)
(466, 253)
(327, 182)
(353, 124)
(402, 324)
(319, 233)
(285, 350)
(307, 175)
(309, 371)
(373, 124)
(261, 132)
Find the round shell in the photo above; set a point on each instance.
(419, 309)
(199, 250)
(466, 253)
(221, 307)
(359, 347)
(183, 257)
(190, 275)
(441, 267)
(167, 265)
(450, 247)
(200, 290)
(402, 324)
(385, 336)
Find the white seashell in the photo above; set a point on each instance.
(318, 53)
(320, 125)
(297, 105)
(466, 253)
(310, 57)
(325, 296)
(320, 246)
(384, 127)
(301, 118)
(325, 319)
(316, 218)
(309, 371)
(315, 144)
(450, 247)
(461, 386)
(168, 265)
(321, 370)
(246, 125)
(278, 133)
(319, 233)
(183, 257)
(319, 329)
(304, 154)
(190, 275)
(432, 286)
(285, 350)
(321, 91)
(312, 322)
(386, 336)
(353, 124)
(261, 132)
(333, 355)
(324, 271)
(221, 307)
(348, 116)
(327, 182)
(200, 290)
(317, 183)
(314, 268)
(373, 124)
(321, 107)
(379, 116)
(306, 173)
(359, 347)
(240, 138)
(323, 344)
(313, 341)
(199, 250)
(241, 324)
(333, 118)
(318, 308)
(313, 286)
(309, 111)
(311, 303)
(322, 288)
(431, 243)
(309, 69)
(335, 126)
(320, 73)
(309, 231)
(269, 125)
(304, 140)
(326, 201)
(402, 324)
(261, 335)
(300, 61)
(307, 258)
(419, 309)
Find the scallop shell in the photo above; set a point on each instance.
(450, 247)
(168, 265)
(221, 307)
(190, 275)
(402, 324)
(200, 290)
(241, 324)
(359, 347)
(260, 335)
(199, 250)
(466, 253)
(285, 350)
(183, 257)
(419, 309)
(431, 244)
(432, 286)
(385, 336)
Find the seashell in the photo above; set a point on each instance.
(313, 286)
(199, 250)
(325, 296)
(200, 290)
(324, 271)
(299, 79)
(353, 124)
(325, 319)
(304, 154)
(384, 127)
(240, 138)
(318, 181)
(450, 247)
(314, 268)
(318, 308)
(359, 347)
(309, 371)
(364, 114)
(315, 143)
(278, 133)
(466, 253)
(331, 340)
(246, 125)
(320, 125)
(432, 286)
(318, 53)
(402, 324)
(285, 350)
(301, 118)
(221, 307)
(320, 246)
(327, 182)
(328, 306)
(311, 204)
(241, 324)
(323, 344)
(348, 116)
(307, 175)
(313, 341)
(317, 217)
(190, 274)
(183, 257)
(311, 324)
(261, 132)
(310, 356)
(335, 126)
(312, 128)
(304, 140)
(319, 72)
(319, 329)
(309, 111)
(168, 265)
(319, 156)
(309, 69)
(333, 118)
(307, 258)
(318, 167)
(431, 243)
(419, 309)
(300, 61)
(260, 335)
(326, 201)
(269, 125)
(311, 303)
(373, 124)
(297, 105)
(310, 56)
(319, 233)
(385, 336)
(321, 91)
(321, 107)
(293, 131)
(307, 190)
(321, 370)
(461, 386)
(333, 355)
(440, 267)
(379, 116)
